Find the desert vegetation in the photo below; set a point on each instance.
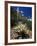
(21, 28)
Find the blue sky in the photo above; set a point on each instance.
(27, 10)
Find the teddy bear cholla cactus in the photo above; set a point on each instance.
(21, 28)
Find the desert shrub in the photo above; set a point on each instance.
(24, 21)
(29, 24)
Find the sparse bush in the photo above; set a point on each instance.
(29, 24)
